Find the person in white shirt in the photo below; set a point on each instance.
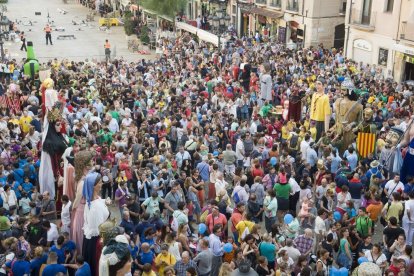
(9, 199)
(52, 232)
(65, 215)
(394, 185)
(240, 150)
(220, 184)
(181, 156)
(113, 123)
(408, 218)
(320, 227)
(127, 121)
(304, 145)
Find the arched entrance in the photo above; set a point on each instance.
(339, 37)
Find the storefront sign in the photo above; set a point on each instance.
(363, 45)
(404, 49)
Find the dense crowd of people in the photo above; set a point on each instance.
(249, 160)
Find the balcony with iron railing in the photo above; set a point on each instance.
(407, 31)
(363, 21)
(275, 3)
(292, 5)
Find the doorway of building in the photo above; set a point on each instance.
(409, 71)
(339, 37)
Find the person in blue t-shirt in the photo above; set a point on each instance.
(53, 267)
(18, 173)
(146, 256)
(82, 267)
(59, 249)
(68, 245)
(19, 266)
(27, 187)
(39, 259)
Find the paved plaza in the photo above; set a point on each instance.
(88, 43)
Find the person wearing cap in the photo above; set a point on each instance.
(320, 109)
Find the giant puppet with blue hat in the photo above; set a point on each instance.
(407, 168)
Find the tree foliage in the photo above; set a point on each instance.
(165, 7)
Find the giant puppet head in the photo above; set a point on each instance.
(393, 137)
(368, 113)
(48, 83)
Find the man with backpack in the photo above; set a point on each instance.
(239, 193)
(363, 223)
(294, 142)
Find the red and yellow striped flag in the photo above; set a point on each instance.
(366, 143)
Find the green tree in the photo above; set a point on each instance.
(165, 7)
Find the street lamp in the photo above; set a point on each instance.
(216, 22)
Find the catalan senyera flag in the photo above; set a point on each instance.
(366, 143)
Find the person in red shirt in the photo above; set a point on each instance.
(235, 218)
(215, 218)
(257, 170)
(396, 266)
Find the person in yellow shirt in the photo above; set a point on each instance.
(164, 259)
(14, 120)
(147, 270)
(25, 121)
(242, 225)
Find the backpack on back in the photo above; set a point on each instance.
(293, 143)
(248, 147)
(236, 198)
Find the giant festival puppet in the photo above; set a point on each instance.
(390, 158)
(348, 114)
(407, 168)
(366, 134)
(53, 142)
(31, 67)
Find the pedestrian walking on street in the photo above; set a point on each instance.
(23, 40)
(107, 47)
(48, 31)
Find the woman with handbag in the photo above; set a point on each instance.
(344, 256)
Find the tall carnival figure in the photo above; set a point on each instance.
(50, 160)
(53, 142)
(320, 110)
(407, 168)
(83, 164)
(96, 212)
(348, 114)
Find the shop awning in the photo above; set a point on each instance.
(202, 35)
(266, 13)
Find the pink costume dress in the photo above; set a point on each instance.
(77, 218)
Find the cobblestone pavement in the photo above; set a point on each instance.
(88, 43)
